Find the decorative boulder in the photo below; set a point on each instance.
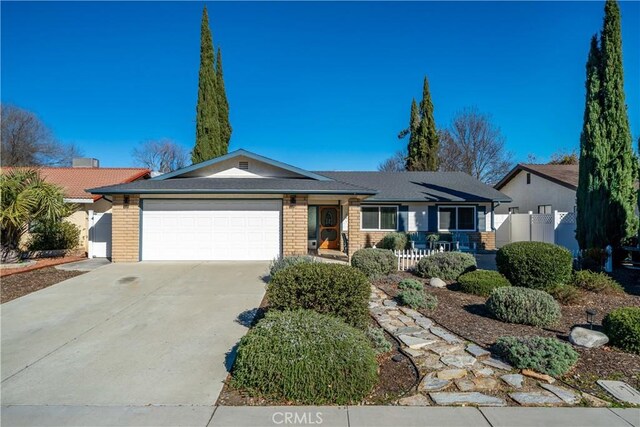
(587, 338)
(437, 283)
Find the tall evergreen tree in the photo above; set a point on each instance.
(223, 104)
(621, 221)
(593, 160)
(608, 167)
(422, 150)
(208, 142)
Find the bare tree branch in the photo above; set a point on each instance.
(396, 163)
(162, 155)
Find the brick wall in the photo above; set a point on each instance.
(356, 238)
(294, 225)
(125, 229)
(372, 238)
(484, 240)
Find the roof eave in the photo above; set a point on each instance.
(232, 191)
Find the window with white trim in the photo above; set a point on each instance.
(379, 218)
(456, 218)
(544, 209)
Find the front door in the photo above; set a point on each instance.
(329, 228)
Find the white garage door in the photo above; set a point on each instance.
(191, 230)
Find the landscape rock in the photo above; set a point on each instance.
(390, 303)
(437, 283)
(424, 322)
(535, 398)
(472, 398)
(538, 376)
(495, 363)
(415, 400)
(483, 372)
(430, 362)
(458, 360)
(587, 338)
(451, 374)
(405, 319)
(431, 383)
(445, 335)
(409, 330)
(478, 351)
(621, 391)
(443, 349)
(414, 353)
(476, 384)
(413, 342)
(514, 380)
(595, 401)
(568, 396)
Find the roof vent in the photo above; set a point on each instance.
(243, 165)
(85, 162)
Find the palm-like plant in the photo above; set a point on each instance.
(24, 198)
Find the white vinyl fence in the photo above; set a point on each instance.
(409, 258)
(557, 227)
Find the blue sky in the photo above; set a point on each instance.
(318, 85)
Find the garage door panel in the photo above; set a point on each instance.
(211, 230)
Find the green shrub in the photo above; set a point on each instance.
(374, 262)
(306, 358)
(394, 241)
(522, 305)
(565, 294)
(335, 289)
(596, 282)
(546, 355)
(622, 326)
(535, 265)
(446, 265)
(379, 342)
(287, 261)
(417, 299)
(406, 284)
(53, 235)
(482, 282)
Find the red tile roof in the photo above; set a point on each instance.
(76, 180)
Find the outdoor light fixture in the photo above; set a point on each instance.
(591, 314)
(126, 200)
(292, 200)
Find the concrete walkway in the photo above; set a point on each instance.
(84, 265)
(351, 416)
(127, 335)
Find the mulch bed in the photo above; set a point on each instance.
(17, 285)
(465, 315)
(40, 263)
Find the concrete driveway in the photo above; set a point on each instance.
(128, 335)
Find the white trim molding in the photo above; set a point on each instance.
(456, 207)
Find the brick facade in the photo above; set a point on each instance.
(125, 230)
(485, 240)
(294, 225)
(356, 237)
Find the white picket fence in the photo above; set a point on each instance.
(408, 258)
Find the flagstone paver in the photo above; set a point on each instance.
(454, 371)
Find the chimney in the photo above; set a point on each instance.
(85, 162)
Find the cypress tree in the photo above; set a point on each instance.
(208, 143)
(593, 160)
(423, 141)
(620, 218)
(223, 104)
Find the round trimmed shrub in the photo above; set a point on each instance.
(595, 282)
(622, 326)
(284, 262)
(374, 262)
(536, 265)
(394, 241)
(565, 294)
(524, 306)
(335, 289)
(406, 284)
(482, 282)
(446, 265)
(546, 355)
(417, 299)
(306, 358)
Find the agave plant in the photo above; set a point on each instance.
(25, 198)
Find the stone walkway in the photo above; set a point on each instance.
(457, 372)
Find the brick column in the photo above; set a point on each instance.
(294, 225)
(355, 235)
(125, 229)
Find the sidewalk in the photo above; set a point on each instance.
(328, 416)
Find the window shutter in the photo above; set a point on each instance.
(403, 218)
(482, 218)
(433, 218)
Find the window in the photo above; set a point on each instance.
(514, 210)
(456, 218)
(379, 218)
(544, 209)
(528, 178)
(312, 220)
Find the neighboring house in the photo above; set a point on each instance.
(243, 206)
(93, 216)
(539, 189)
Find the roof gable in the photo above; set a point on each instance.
(229, 166)
(565, 175)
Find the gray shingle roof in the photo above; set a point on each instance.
(233, 186)
(421, 186)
